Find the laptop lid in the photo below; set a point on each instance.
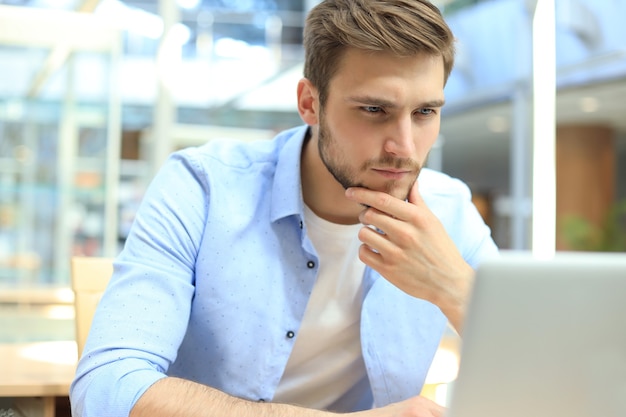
(545, 338)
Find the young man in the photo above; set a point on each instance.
(308, 275)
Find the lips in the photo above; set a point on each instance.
(392, 173)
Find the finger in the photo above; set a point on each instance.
(372, 217)
(380, 222)
(374, 259)
(379, 252)
(437, 410)
(381, 201)
(370, 257)
(374, 238)
(415, 197)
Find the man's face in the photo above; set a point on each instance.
(380, 120)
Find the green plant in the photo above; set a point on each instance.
(610, 236)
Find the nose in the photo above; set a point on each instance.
(400, 139)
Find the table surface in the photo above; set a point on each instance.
(37, 369)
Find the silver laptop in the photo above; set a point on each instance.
(545, 338)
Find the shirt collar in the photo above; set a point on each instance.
(287, 197)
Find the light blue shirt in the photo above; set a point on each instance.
(216, 272)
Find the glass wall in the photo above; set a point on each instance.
(59, 149)
(211, 91)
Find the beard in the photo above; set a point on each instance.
(347, 176)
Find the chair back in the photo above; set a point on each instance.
(89, 276)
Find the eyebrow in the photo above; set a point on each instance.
(377, 101)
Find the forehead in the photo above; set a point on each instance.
(366, 70)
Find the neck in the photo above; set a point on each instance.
(321, 192)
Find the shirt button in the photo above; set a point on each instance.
(310, 264)
(290, 334)
(301, 224)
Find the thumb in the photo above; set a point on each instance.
(414, 195)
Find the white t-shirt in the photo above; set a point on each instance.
(326, 361)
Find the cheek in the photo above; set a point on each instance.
(426, 137)
(351, 135)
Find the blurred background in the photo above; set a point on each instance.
(94, 94)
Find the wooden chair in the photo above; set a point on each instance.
(89, 276)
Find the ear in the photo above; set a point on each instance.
(308, 102)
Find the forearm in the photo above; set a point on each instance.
(174, 397)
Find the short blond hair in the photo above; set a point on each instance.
(402, 27)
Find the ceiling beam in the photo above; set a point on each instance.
(57, 57)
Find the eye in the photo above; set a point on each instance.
(426, 112)
(372, 109)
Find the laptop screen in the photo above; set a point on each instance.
(545, 338)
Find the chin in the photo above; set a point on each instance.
(400, 194)
(393, 189)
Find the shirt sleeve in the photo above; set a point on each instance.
(144, 312)
(473, 235)
(450, 199)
